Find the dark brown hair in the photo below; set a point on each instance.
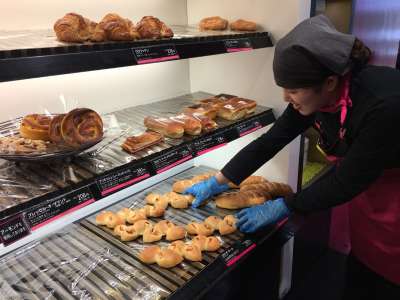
(360, 54)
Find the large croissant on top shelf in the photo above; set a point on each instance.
(152, 28)
(74, 28)
(115, 28)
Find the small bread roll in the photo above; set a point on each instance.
(199, 241)
(148, 255)
(109, 219)
(181, 185)
(123, 213)
(103, 217)
(243, 25)
(136, 215)
(212, 244)
(228, 225)
(141, 225)
(118, 230)
(151, 235)
(192, 252)
(213, 222)
(191, 228)
(204, 229)
(177, 246)
(152, 198)
(163, 226)
(154, 211)
(166, 258)
(175, 233)
(179, 201)
(129, 234)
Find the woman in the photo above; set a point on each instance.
(356, 110)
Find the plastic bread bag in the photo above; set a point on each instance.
(75, 264)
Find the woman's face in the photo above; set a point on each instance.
(305, 100)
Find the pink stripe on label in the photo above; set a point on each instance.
(174, 164)
(160, 59)
(122, 185)
(210, 149)
(63, 214)
(236, 258)
(250, 131)
(230, 50)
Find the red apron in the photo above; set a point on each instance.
(374, 215)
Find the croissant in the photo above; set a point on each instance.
(114, 28)
(81, 126)
(74, 28)
(152, 28)
(149, 254)
(35, 127)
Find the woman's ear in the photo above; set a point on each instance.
(331, 83)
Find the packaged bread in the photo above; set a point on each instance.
(165, 126)
(213, 23)
(237, 200)
(250, 105)
(207, 124)
(201, 109)
(191, 125)
(134, 144)
(243, 25)
(215, 102)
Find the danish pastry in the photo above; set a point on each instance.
(35, 127)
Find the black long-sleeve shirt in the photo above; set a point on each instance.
(372, 141)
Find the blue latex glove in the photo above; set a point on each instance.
(205, 190)
(253, 218)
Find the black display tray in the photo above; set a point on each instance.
(57, 188)
(32, 54)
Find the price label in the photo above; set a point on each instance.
(209, 143)
(153, 54)
(13, 229)
(238, 45)
(248, 126)
(233, 254)
(53, 209)
(171, 159)
(122, 179)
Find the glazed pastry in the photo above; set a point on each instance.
(213, 23)
(166, 258)
(237, 200)
(134, 144)
(148, 255)
(74, 28)
(114, 28)
(177, 246)
(165, 126)
(81, 126)
(152, 28)
(136, 215)
(191, 125)
(35, 127)
(211, 244)
(228, 225)
(141, 225)
(243, 25)
(55, 129)
(175, 233)
(200, 241)
(163, 226)
(213, 222)
(192, 253)
(151, 235)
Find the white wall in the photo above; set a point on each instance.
(248, 74)
(105, 90)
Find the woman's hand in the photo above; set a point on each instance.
(205, 190)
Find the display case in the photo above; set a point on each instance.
(43, 253)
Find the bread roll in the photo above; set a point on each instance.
(163, 226)
(204, 229)
(199, 241)
(237, 200)
(175, 233)
(141, 225)
(124, 213)
(213, 222)
(243, 25)
(165, 126)
(228, 225)
(211, 244)
(166, 258)
(181, 185)
(118, 230)
(154, 211)
(191, 228)
(152, 197)
(151, 235)
(177, 246)
(213, 23)
(109, 219)
(192, 253)
(136, 215)
(129, 234)
(148, 255)
(179, 201)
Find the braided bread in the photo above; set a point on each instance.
(241, 199)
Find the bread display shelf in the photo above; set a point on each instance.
(35, 194)
(37, 53)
